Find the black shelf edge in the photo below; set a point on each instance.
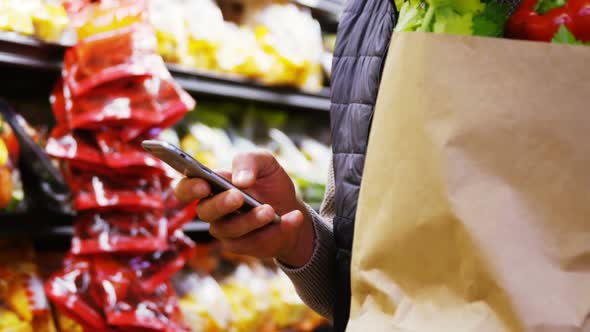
(29, 53)
(331, 8)
(39, 226)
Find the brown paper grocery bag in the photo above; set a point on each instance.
(474, 211)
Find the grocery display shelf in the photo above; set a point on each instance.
(32, 54)
(43, 224)
(330, 8)
(47, 225)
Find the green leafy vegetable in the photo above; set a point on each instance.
(449, 21)
(491, 21)
(458, 17)
(411, 16)
(565, 36)
(543, 6)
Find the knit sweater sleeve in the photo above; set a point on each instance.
(315, 280)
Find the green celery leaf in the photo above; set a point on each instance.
(564, 36)
(491, 21)
(448, 21)
(467, 6)
(428, 20)
(543, 6)
(399, 4)
(411, 16)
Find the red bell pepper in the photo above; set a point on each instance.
(540, 20)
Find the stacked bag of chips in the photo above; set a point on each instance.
(114, 92)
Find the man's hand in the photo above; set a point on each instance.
(260, 175)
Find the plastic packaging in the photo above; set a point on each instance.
(294, 38)
(205, 26)
(171, 31)
(69, 290)
(240, 53)
(15, 15)
(82, 154)
(96, 17)
(9, 151)
(23, 305)
(106, 57)
(98, 193)
(96, 233)
(155, 268)
(203, 304)
(139, 103)
(178, 213)
(50, 22)
(126, 305)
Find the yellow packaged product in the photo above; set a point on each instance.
(108, 16)
(65, 324)
(10, 322)
(294, 39)
(22, 296)
(205, 25)
(204, 305)
(311, 78)
(249, 295)
(50, 22)
(17, 15)
(287, 308)
(166, 17)
(190, 144)
(243, 305)
(240, 53)
(281, 71)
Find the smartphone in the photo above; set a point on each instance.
(189, 167)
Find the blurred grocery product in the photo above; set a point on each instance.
(23, 305)
(10, 194)
(294, 39)
(277, 44)
(208, 139)
(241, 295)
(46, 20)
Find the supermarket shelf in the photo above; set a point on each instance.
(18, 50)
(330, 8)
(29, 53)
(44, 225)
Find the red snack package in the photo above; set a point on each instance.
(57, 99)
(112, 55)
(140, 102)
(69, 290)
(158, 311)
(155, 268)
(81, 153)
(123, 193)
(117, 153)
(129, 307)
(96, 233)
(178, 213)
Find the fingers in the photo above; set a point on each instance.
(247, 167)
(268, 241)
(220, 205)
(188, 190)
(242, 224)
